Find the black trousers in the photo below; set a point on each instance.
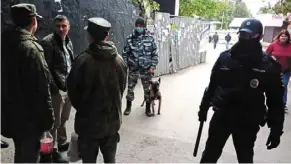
(89, 148)
(26, 149)
(243, 134)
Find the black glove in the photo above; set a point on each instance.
(273, 140)
(202, 115)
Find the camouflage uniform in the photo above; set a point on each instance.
(26, 105)
(140, 55)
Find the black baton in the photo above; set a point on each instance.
(198, 138)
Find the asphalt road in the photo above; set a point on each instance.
(170, 137)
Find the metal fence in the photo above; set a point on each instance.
(178, 40)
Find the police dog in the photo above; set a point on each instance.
(155, 94)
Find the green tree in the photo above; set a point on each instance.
(144, 5)
(281, 7)
(241, 10)
(223, 11)
(202, 8)
(267, 9)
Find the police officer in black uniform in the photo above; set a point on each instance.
(241, 79)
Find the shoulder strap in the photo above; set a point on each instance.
(39, 47)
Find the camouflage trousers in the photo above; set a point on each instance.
(145, 77)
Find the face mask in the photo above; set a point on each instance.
(139, 29)
(250, 44)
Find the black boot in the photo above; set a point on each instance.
(148, 110)
(45, 158)
(128, 108)
(58, 158)
(63, 147)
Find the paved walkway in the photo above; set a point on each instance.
(170, 137)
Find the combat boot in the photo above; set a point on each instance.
(58, 158)
(128, 108)
(148, 110)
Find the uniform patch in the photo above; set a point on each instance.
(254, 83)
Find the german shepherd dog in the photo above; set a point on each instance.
(155, 94)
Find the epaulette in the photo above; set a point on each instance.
(225, 54)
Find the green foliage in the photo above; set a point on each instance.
(241, 10)
(144, 5)
(202, 8)
(223, 11)
(281, 7)
(267, 9)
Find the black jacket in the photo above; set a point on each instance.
(239, 91)
(56, 60)
(215, 38)
(227, 38)
(95, 87)
(26, 107)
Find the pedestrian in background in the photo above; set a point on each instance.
(281, 50)
(95, 87)
(210, 39)
(26, 107)
(215, 39)
(59, 55)
(227, 40)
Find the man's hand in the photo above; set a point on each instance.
(202, 115)
(273, 140)
(151, 70)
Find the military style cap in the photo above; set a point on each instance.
(24, 11)
(251, 26)
(97, 26)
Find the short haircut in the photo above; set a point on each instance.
(61, 18)
(23, 23)
(100, 37)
